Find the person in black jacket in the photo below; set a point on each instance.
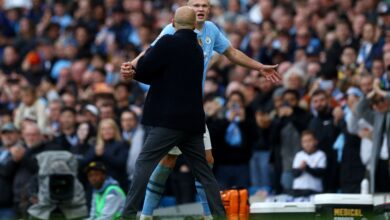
(67, 139)
(232, 140)
(173, 67)
(289, 123)
(261, 144)
(10, 155)
(111, 150)
(326, 125)
(25, 183)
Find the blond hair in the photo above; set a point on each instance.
(112, 123)
(189, 1)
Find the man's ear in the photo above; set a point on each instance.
(173, 22)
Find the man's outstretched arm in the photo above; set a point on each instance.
(238, 57)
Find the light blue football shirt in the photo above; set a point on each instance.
(211, 39)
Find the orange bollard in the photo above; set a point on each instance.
(236, 204)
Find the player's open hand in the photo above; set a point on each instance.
(269, 72)
(127, 71)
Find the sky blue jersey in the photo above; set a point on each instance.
(210, 38)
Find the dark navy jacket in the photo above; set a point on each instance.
(174, 69)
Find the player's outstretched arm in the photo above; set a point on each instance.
(238, 57)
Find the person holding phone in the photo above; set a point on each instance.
(231, 138)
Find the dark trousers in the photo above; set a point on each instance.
(183, 187)
(331, 180)
(229, 176)
(382, 176)
(157, 145)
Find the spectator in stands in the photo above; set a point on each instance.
(122, 96)
(377, 115)
(69, 99)
(364, 128)
(377, 68)
(91, 114)
(365, 83)
(10, 64)
(86, 138)
(111, 150)
(232, 148)
(348, 69)
(83, 40)
(108, 198)
(11, 94)
(106, 111)
(305, 40)
(60, 14)
(120, 26)
(134, 134)
(260, 170)
(35, 144)
(98, 76)
(264, 97)
(325, 126)
(369, 47)
(67, 138)
(308, 167)
(385, 76)
(291, 120)
(32, 68)
(10, 155)
(294, 79)
(55, 107)
(350, 182)
(31, 106)
(383, 11)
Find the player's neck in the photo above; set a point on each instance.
(199, 25)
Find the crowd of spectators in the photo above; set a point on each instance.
(60, 88)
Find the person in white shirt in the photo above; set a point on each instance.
(308, 167)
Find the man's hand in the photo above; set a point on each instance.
(99, 150)
(127, 71)
(269, 72)
(303, 165)
(377, 87)
(285, 111)
(338, 114)
(370, 95)
(17, 153)
(365, 133)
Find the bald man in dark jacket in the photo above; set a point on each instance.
(174, 109)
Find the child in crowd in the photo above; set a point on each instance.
(308, 167)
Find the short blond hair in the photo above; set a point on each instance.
(189, 1)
